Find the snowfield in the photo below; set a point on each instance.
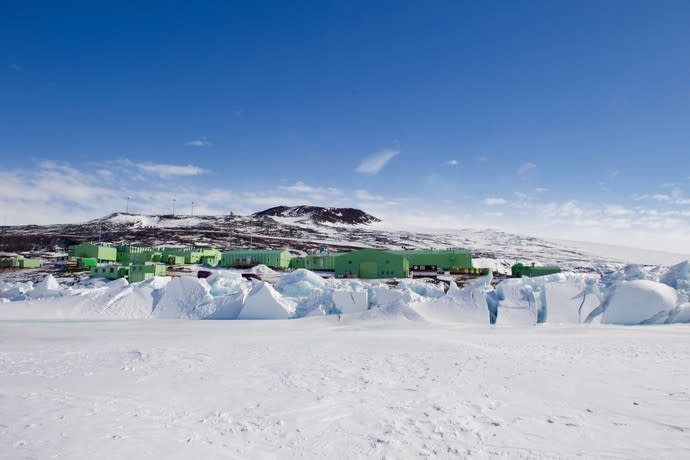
(383, 387)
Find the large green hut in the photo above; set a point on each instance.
(371, 264)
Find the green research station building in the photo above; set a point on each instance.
(519, 270)
(100, 252)
(274, 258)
(134, 273)
(371, 264)
(443, 259)
(20, 262)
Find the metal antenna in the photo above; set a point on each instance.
(128, 198)
(173, 200)
(193, 209)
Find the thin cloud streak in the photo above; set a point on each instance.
(372, 164)
(491, 201)
(168, 170)
(198, 143)
(526, 168)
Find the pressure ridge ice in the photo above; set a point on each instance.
(632, 295)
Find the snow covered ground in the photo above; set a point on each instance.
(349, 388)
(347, 368)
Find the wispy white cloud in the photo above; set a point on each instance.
(14, 66)
(366, 196)
(372, 164)
(617, 211)
(451, 163)
(653, 197)
(483, 158)
(492, 201)
(95, 192)
(168, 170)
(526, 169)
(541, 189)
(569, 209)
(203, 142)
(301, 187)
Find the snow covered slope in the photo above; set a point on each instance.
(305, 229)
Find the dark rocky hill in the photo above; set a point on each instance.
(301, 228)
(318, 214)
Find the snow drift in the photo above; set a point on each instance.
(632, 295)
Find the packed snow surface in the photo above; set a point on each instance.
(349, 388)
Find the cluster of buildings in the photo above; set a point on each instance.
(139, 263)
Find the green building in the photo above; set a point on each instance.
(323, 262)
(128, 254)
(87, 262)
(274, 258)
(134, 273)
(173, 260)
(205, 256)
(143, 272)
(443, 259)
(519, 270)
(21, 262)
(297, 262)
(371, 264)
(112, 272)
(100, 252)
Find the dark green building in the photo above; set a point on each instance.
(519, 270)
(371, 264)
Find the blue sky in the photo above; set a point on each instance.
(561, 119)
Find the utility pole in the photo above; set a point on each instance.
(173, 200)
(127, 209)
(192, 209)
